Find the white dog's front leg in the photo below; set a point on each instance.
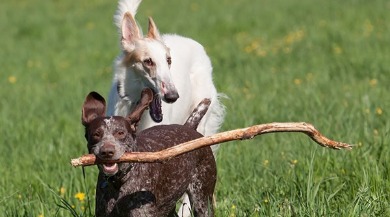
(185, 207)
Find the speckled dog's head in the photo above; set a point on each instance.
(110, 137)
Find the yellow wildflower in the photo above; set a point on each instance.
(62, 191)
(30, 63)
(12, 79)
(194, 7)
(297, 81)
(233, 211)
(373, 82)
(309, 76)
(287, 50)
(368, 28)
(90, 25)
(80, 196)
(337, 49)
(379, 111)
(261, 53)
(322, 23)
(294, 36)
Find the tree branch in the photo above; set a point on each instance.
(238, 134)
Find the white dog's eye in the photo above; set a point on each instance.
(169, 60)
(148, 62)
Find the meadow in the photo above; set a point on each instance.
(322, 62)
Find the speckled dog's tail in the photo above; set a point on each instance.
(198, 113)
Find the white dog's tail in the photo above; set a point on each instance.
(123, 7)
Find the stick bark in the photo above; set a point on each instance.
(238, 134)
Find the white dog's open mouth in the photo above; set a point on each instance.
(110, 169)
(155, 109)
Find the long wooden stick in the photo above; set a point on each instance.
(238, 134)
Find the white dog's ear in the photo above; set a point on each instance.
(153, 31)
(130, 31)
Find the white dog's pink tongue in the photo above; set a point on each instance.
(110, 169)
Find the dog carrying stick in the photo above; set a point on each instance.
(238, 134)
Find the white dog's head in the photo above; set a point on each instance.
(150, 59)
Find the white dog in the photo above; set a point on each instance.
(176, 68)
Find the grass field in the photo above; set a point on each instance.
(323, 62)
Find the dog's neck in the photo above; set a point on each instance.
(129, 85)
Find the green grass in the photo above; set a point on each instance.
(323, 62)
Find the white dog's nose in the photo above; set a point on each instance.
(171, 96)
(170, 92)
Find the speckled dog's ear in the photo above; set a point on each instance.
(94, 106)
(143, 104)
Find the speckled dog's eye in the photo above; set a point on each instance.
(120, 134)
(97, 135)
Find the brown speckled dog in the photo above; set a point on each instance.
(147, 189)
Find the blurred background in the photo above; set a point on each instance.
(322, 62)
